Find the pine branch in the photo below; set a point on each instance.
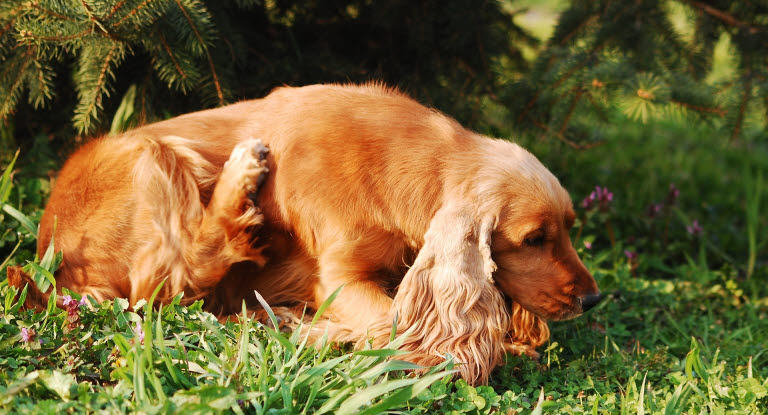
(131, 13)
(216, 82)
(93, 88)
(598, 109)
(568, 115)
(585, 23)
(49, 12)
(114, 10)
(11, 96)
(41, 91)
(560, 136)
(722, 16)
(91, 17)
(560, 81)
(11, 21)
(170, 55)
(709, 110)
(29, 35)
(742, 109)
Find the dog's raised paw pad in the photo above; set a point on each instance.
(260, 151)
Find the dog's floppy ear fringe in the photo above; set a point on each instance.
(448, 297)
(527, 331)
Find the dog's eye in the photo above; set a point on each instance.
(537, 240)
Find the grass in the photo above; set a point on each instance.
(665, 346)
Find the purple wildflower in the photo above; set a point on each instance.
(600, 197)
(672, 195)
(27, 335)
(73, 307)
(631, 256)
(654, 209)
(139, 331)
(588, 245)
(694, 229)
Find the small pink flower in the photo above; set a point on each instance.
(27, 335)
(694, 229)
(73, 307)
(654, 209)
(139, 331)
(672, 195)
(599, 197)
(631, 256)
(588, 245)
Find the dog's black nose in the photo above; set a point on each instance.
(590, 300)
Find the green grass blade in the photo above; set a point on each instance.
(380, 352)
(319, 370)
(22, 218)
(267, 308)
(399, 398)
(338, 397)
(42, 277)
(367, 395)
(539, 404)
(6, 181)
(8, 258)
(641, 399)
(325, 304)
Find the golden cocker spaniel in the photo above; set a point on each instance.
(462, 238)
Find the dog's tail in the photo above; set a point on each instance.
(168, 175)
(169, 170)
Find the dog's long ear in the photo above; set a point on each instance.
(527, 331)
(448, 297)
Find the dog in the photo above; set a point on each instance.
(462, 238)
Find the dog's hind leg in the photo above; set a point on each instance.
(193, 246)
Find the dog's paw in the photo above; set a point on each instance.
(247, 166)
(519, 349)
(287, 320)
(236, 191)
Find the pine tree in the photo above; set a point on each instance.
(175, 56)
(100, 36)
(629, 54)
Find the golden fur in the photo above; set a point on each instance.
(462, 237)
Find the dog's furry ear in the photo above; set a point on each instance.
(527, 331)
(448, 297)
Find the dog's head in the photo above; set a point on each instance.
(502, 231)
(536, 264)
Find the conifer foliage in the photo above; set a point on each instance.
(645, 57)
(174, 35)
(67, 63)
(176, 56)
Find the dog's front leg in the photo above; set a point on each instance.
(362, 302)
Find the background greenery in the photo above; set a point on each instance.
(661, 102)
